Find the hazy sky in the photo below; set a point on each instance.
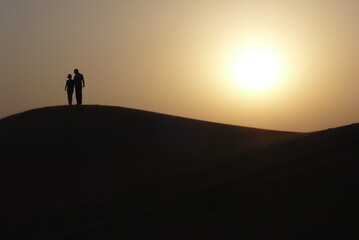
(175, 56)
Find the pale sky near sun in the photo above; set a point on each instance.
(178, 56)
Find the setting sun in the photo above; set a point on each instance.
(256, 70)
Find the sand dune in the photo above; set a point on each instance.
(99, 172)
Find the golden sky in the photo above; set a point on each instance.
(177, 57)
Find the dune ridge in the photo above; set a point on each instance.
(101, 172)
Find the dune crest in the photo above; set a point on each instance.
(100, 172)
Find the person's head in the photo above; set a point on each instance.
(76, 71)
(69, 76)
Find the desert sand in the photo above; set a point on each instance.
(101, 172)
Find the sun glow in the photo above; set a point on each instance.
(256, 70)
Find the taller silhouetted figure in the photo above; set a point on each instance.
(69, 88)
(79, 83)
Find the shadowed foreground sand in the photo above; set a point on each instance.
(98, 172)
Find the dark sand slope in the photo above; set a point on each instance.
(96, 172)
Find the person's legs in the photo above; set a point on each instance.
(69, 96)
(79, 95)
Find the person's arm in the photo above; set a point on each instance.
(83, 81)
(66, 85)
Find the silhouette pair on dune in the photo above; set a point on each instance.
(78, 83)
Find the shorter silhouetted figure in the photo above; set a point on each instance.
(69, 87)
(79, 83)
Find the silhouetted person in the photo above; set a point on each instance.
(69, 87)
(79, 83)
